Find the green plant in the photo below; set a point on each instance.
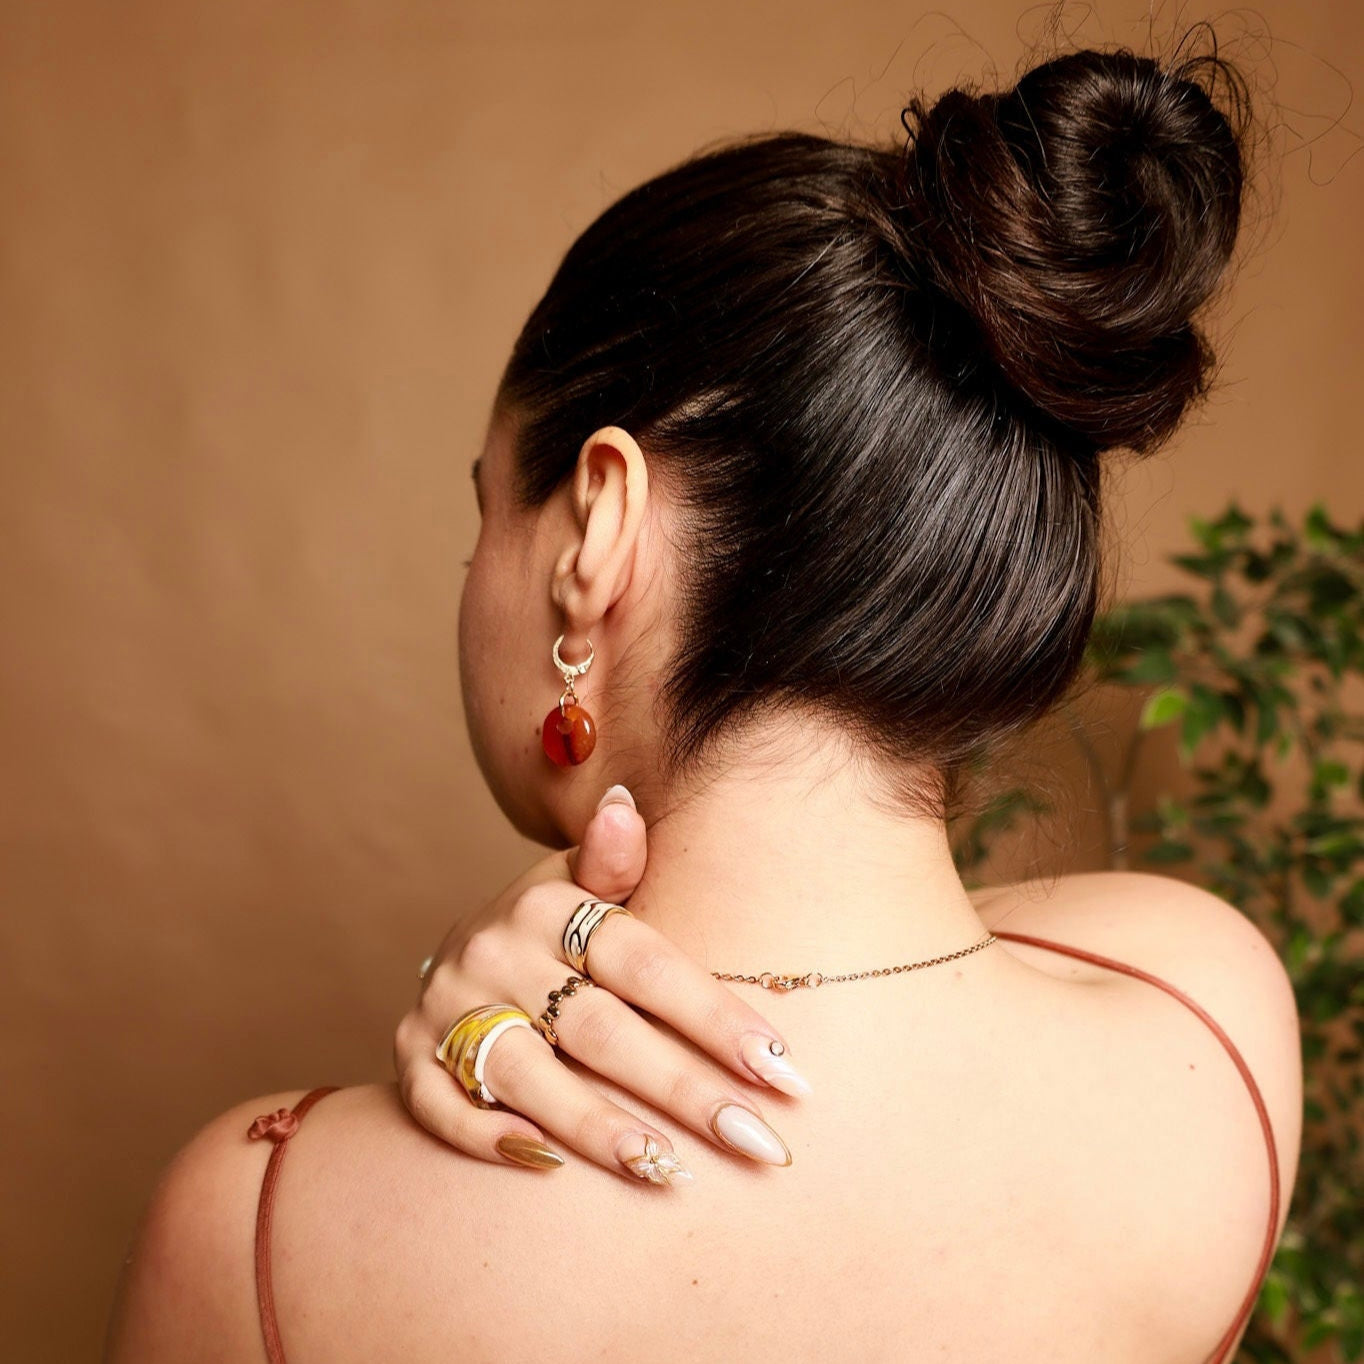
(1258, 670)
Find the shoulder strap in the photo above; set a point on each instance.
(1267, 1250)
(278, 1127)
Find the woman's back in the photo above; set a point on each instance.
(1072, 1171)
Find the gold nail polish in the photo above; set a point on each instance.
(527, 1151)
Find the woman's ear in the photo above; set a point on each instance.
(608, 495)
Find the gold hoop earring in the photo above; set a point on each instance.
(569, 733)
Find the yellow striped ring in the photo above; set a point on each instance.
(464, 1048)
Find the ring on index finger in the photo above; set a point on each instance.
(583, 922)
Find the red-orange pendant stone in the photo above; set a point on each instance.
(569, 738)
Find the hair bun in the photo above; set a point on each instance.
(1076, 223)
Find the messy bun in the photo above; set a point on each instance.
(1075, 224)
(870, 378)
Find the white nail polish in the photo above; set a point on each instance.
(643, 1155)
(766, 1057)
(744, 1131)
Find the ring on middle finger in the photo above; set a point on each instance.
(545, 1023)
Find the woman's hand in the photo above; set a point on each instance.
(512, 952)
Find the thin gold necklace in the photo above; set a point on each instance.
(812, 980)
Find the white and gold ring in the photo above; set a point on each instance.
(582, 923)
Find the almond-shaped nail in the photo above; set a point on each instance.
(643, 1155)
(742, 1130)
(527, 1151)
(766, 1058)
(619, 794)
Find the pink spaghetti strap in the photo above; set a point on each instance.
(278, 1127)
(1218, 1355)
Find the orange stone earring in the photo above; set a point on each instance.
(569, 733)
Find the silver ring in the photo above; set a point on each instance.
(582, 923)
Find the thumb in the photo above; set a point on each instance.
(610, 860)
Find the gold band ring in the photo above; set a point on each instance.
(545, 1022)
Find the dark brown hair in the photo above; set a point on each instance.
(880, 378)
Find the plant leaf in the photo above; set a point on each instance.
(1163, 706)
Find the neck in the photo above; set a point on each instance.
(790, 866)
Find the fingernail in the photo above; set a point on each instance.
(616, 793)
(744, 1131)
(526, 1150)
(766, 1057)
(643, 1155)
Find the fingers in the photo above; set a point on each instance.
(444, 1110)
(437, 1102)
(536, 1094)
(525, 1079)
(604, 1032)
(609, 861)
(654, 974)
(639, 965)
(521, 1071)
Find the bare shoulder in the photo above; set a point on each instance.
(187, 1289)
(1141, 918)
(1215, 955)
(1187, 936)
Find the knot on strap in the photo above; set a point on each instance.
(278, 1126)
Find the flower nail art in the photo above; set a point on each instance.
(656, 1165)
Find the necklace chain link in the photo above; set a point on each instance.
(812, 980)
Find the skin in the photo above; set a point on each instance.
(996, 1160)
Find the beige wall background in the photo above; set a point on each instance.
(259, 270)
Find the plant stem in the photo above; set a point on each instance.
(1113, 804)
